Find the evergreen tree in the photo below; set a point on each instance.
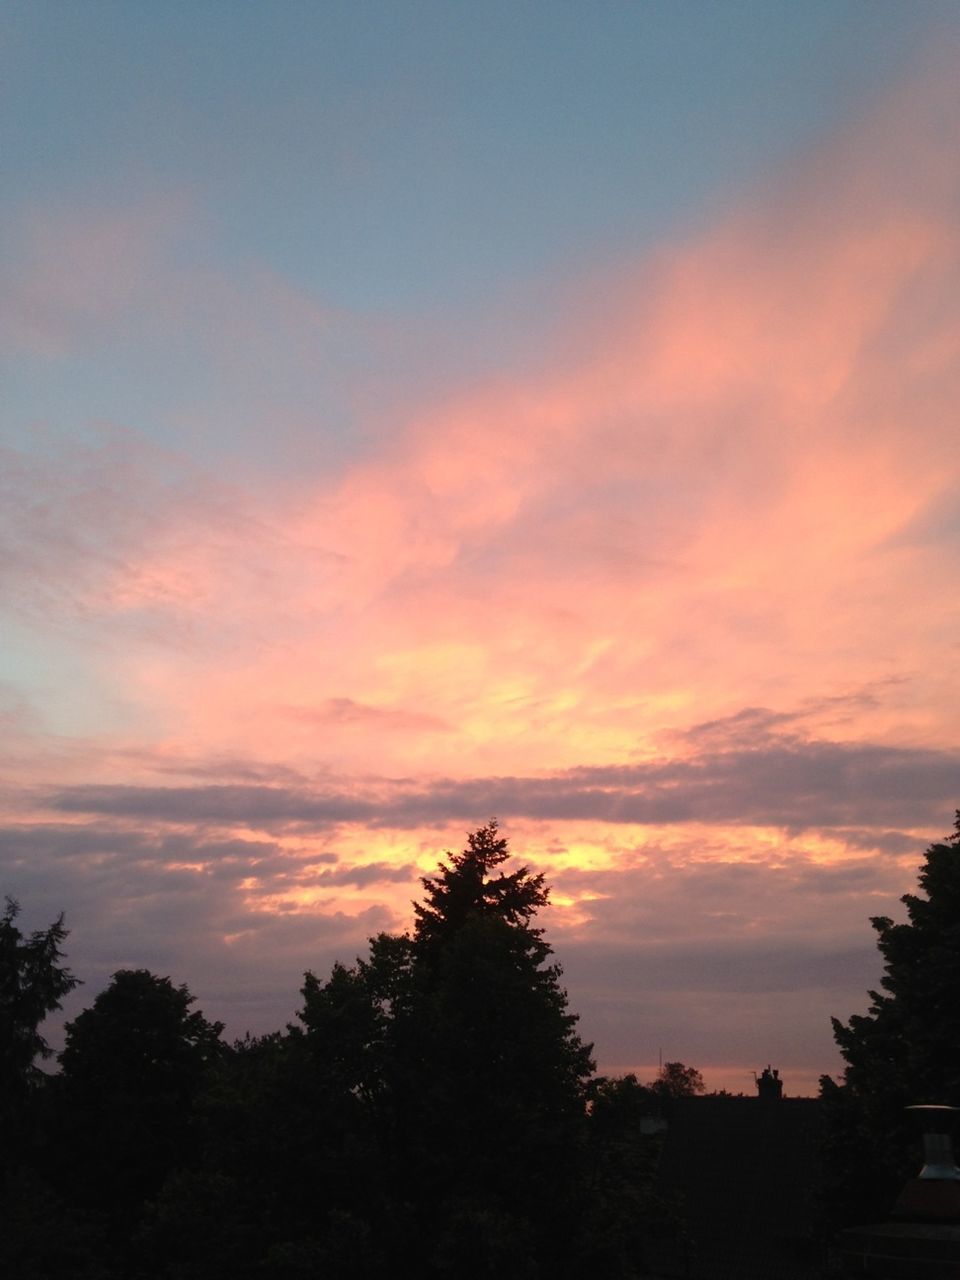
(458, 1042)
(467, 890)
(40, 1237)
(491, 1074)
(905, 1050)
(32, 985)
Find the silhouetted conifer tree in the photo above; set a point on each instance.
(905, 1050)
(32, 984)
(40, 1236)
(459, 1039)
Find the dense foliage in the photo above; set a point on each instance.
(905, 1050)
(32, 984)
(678, 1081)
(433, 1104)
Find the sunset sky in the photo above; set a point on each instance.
(420, 411)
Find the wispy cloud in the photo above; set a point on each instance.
(693, 565)
(797, 785)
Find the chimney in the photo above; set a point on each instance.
(923, 1240)
(769, 1085)
(934, 1194)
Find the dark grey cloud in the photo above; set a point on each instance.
(793, 784)
(225, 767)
(111, 863)
(65, 840)
(743, 727)
(797, 785)
(893, 842)
(251, 804)
(365, 874)
(752, 727)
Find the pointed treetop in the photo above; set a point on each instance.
(467, 888)
(33, 983)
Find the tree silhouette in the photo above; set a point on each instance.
(466, 890)
(32, 985)
(432, 1103)
(677, 1081)
(621, 1199)
(140, 1036)
(905, 1049)
(39, 1237)
(132, 1066)
(457, 1041)
(490, 1069)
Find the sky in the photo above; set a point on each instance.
(418, 412)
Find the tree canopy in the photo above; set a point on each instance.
(904, 1050)
(33, 982)
(676, 1080)
(139, 1036)
(906, 1046)
(433, 1102)
(132, 1067)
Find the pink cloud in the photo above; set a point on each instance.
(698, 508)
(678, 602)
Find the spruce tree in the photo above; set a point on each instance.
(466, 1054)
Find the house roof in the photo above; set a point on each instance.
(742, 1171)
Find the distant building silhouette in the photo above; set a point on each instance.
(769, 1084)
(740, 1173)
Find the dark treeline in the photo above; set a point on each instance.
(433, 1110)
